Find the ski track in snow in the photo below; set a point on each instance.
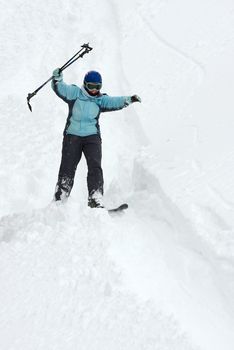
(158, 277)
(200, 67)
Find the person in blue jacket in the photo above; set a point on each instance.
(82, 132)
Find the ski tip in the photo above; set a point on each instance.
(123, 206)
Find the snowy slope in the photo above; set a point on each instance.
(161, 276)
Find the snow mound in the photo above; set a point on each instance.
(59, 286)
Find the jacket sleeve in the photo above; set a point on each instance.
(108, 103)
(64, 91)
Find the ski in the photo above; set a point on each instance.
(118, 209)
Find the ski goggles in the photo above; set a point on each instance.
(93, 86)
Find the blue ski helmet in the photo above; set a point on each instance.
(93, 77)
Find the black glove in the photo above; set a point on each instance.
(135, 98)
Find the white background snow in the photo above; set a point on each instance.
(161, 276)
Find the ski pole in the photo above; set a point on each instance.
(85, 48)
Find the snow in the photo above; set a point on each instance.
(160, 276)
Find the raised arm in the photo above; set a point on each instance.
(64, 91)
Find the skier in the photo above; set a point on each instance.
(82, 132)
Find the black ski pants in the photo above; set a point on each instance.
(73, 147)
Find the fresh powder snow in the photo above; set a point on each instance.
(161, 275)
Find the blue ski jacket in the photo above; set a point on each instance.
(84, 110)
